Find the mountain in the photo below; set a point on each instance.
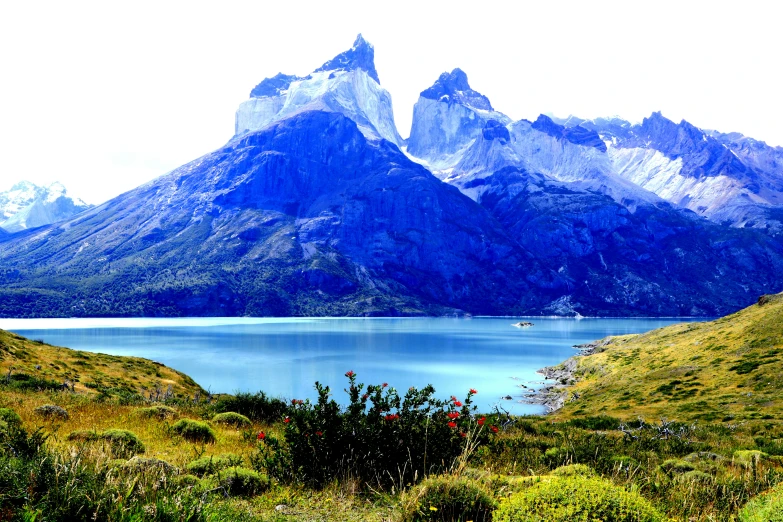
(347, 84)
(727, 178)
(27, 205)
(553, 186)
(313, 208)
(728, 369)
(306, 217)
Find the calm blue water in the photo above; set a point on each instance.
(286, 356)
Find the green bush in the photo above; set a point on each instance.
(82, 436)
(676, 466)
(51, 411)
(231, 418)
(123, 443)
(747, 458)
(256, 406)
(571, 470)
(9, 416)
(380, 438)
(158, 412)
(767, 507)
(213, 464)
(565, 499)
(238, 481)
(447, 498)
(140, 464)
(194, 431)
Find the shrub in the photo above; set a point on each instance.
(123, 443)
(82, 436)
(213, 464)
(238, 481)
(256, 406)
(187, 481)
(564, 499)
(194, 431)
(379, 438)
(747, 458)
(51, 411)
(676, 466)
(158, 412)
(231, 418)
(448, 498)
(140, 464)
(10, 417)
(571, 470)
(767, 507)
(602, 422)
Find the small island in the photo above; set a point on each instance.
(522, 324)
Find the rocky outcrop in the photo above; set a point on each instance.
(348, 84)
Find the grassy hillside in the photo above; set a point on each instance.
(37, 365)
(727, 370)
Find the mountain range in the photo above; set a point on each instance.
(317, 206)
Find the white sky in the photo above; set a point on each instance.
(104, 96)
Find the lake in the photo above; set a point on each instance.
(285, 356)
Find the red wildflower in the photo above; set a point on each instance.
(453, 398)
(384, 385)
(286, 420)
(452, 424)
(364, 397)
(349, 373)
(319, 433)
(463, 434)
(391, 417)
(494, 429)
(261, 435)
(457, 404)
(481, 421)
(453, 415)
(473, 391)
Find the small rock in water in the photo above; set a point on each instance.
(522, 324)
(507, 398)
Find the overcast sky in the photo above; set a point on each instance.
(105, 96)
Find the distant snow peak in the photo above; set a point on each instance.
(27, 205)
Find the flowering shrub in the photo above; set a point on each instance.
(380, 438)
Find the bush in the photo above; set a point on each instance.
(256, 406)
(448, 498)
(379, 438)
(767, 507)
(602, 422)
(676, 467)
(237, 481)
(140, 464)
(747, 458)
(572, 470)
(231, 418)
(9, 417)
(51, 411)
(564, 499)
(194, 431)
(213, 464)
(158, 412)
(82, 436)
(123, 443)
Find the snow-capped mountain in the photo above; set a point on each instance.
(315, 207)
(462, 139)
(727, 178)
(27, 205)
(347, 84)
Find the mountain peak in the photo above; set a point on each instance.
(360, 56)
(273, 86)
(453, 87)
